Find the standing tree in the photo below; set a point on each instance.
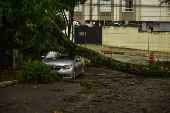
(18, 30)
(69, 7)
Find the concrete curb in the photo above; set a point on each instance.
(8, 83)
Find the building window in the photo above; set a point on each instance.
(78, 7)
(105, 5)
(127, 5)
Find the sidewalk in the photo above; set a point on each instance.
(128, 55)
(134, 59)
(9, 82)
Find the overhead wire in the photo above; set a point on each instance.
(95, 5)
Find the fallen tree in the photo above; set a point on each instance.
(100, 60)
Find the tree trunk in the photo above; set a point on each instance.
(71, 13)
(73, 35)
(69, 25)
(65, 20)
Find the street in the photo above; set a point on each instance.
(98, 90)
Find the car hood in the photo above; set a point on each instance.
(57, 62)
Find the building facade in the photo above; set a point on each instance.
(147, 13)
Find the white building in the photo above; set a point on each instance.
(149, 13)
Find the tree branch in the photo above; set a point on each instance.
(97, 58)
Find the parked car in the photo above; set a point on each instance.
(77, 23)
(64, 65)
(87, 24)
(116, 23)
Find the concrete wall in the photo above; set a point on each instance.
(129, 37)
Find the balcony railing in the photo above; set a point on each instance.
(127, 9)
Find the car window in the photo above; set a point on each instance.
(57, 55)
(66, 57)
(51, 54)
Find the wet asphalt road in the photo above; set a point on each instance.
(45, 98)
(124, 94)
(25, 98)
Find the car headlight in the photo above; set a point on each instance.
(67, 67)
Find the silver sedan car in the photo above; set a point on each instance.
(64, 65)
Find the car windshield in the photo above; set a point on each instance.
(57, 55)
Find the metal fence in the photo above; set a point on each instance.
(93, 35)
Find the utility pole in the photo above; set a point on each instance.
(148, 31)
(92, 9)
(91, 24)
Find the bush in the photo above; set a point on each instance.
(35, 72)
